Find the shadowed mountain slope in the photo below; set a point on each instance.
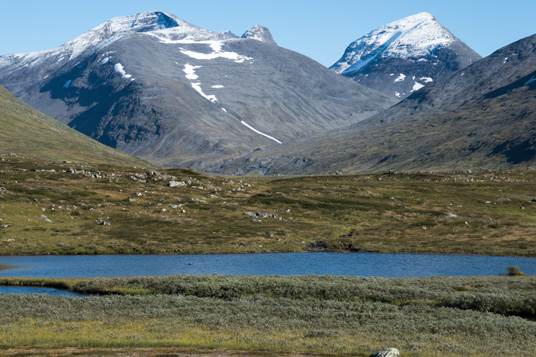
(27, 132)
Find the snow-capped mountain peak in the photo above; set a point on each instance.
(118, 27)
(259, 33)
(154, 23)
(413, 36)
(416, 47)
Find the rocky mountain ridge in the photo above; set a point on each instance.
(159, 88)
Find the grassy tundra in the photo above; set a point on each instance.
(320, 315)
(65, 208)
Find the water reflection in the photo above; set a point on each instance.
(37, 290)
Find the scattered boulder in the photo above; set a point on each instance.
(46, 218)
(102, 223)
(388, 352)
(317, 246)
(260, 214)
(176, 183)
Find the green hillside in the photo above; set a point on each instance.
(29, 133)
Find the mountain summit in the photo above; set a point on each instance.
(403, 56)
(259, 33)
(175, 94)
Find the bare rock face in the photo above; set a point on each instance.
(259, 33)
(388, 352)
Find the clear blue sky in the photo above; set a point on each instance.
(318, 29)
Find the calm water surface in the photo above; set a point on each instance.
(37, 290)
(356, 264)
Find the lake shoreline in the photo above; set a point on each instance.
(270, 252)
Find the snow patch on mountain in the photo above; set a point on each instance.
(217, 52)
(417, 86)
(260, 132)
(400, 78)
(190, 71)
(119, 69)
(210, 97)
(192, 76)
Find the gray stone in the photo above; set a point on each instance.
(388, 352)
(46, 218)
(260, 214)
(176, 183)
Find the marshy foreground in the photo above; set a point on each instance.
(312, 315)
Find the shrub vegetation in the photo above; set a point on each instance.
(325, 315)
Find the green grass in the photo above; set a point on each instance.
(429, 213)
(459, 316)
(27, 132)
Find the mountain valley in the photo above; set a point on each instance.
(482, 117)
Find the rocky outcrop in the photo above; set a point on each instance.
(388, 352)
